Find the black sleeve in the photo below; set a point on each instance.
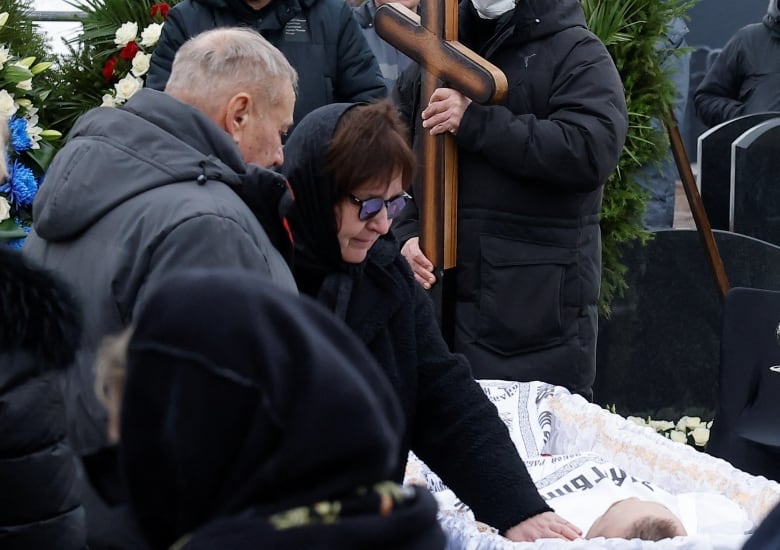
(584, 130)
(459, 434)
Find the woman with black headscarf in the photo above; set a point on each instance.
(252, 418)
(348, 166)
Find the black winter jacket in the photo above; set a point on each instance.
(137, 192)
(39, 486)
(531, 172)
(320, 38)
(745, 77)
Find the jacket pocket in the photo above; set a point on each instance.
(521, 295)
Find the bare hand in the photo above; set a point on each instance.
(547, 525)
(420, 264)
(445, 111)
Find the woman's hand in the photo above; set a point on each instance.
(420, 264)
(547, 525)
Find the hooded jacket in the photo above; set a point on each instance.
(320, 39)
(451, 424)
(269, 426)
(531, 172)
(137, 192)
(745, 77)
(39, 332)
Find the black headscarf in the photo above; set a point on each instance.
(238, 396)
(318, 266)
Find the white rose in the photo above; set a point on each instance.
(25, 84)
(678, 436)
(108, 101)
(126, 34)
(141, 63)
(5, 54)
(682, 423)
(693, 422)
(5, 209)
(7, 106)
(126, 87)
(701, 436)
(151, 34)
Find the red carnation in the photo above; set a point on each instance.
(108, 68)
(160, 9)
(129, 51)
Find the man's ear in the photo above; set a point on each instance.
(237, 113)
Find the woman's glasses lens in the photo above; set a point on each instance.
(373, 206)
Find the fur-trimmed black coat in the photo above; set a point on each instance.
(39, 332)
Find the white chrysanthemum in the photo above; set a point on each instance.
(126, 87)
(25, 84)
(5, 209)
(7, 105)
(126, 34)
(151, 34)
(141, 63)
(5, 55)
(108, 101)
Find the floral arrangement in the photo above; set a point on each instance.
(126, 68)
(107, 63)
(689, 429)
(29, 149)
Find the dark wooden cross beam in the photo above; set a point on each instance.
(431, 40)
(697, 206)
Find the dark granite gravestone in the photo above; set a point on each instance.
(755, 182)
(658, 354)
(714, 154)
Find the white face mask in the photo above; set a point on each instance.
(492, 9)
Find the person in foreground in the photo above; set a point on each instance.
(348, 166)
(168, 181)
(254, 419)
(40, 325)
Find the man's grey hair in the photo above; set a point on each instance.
(219, 63)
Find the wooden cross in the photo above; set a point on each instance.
(431, 40)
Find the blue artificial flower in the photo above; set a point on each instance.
(17, 128)
(17, 243)
(21, 185)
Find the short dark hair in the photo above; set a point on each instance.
(370, 142)
(654, 528)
